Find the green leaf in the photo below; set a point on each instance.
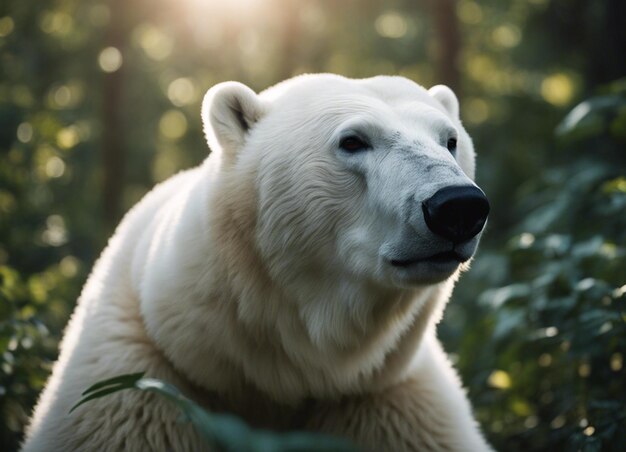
(224, 432)
(495, 298)
(128, 380)
(589, 118)
(108, 386)
(308, 442)
(98, 394)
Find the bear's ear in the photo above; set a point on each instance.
(447, 98)
(229, 110)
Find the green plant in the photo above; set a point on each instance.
(544, 353)
(224, 432)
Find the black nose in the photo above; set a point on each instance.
(456, 213)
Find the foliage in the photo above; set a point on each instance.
(27, 344)
(223, 432)
(556, 332)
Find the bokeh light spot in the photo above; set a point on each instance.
(391, 25)
(55, 167)
(545, 359)
(55, 233)
(110, 59)
(499, 379)
(156, 44)
(557, 89)
(620, 291)
(526, 239)
(173, 124)
(589, 430)
(69, 266)
(69, 95)
(6, 26)
(7, 202)
(469, 12)
(56, 22)
(605, 327)
(481, 67)
(507, 35)
(61, 97)
(68, 137)
(181, 91)
(617, 362)
(584, 370)
(531, 422)
(25, 132)
(520, 407)
(551, 331)
(557, 422)
(617, 185)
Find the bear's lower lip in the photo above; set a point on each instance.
(439, 258)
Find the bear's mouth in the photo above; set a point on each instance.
(439, 258)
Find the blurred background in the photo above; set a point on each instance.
(100, 100)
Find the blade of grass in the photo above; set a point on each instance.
(128, 380)
(98, 394)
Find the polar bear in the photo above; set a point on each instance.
(294, 279)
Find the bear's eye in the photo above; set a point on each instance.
(353, 144)
(451, 144)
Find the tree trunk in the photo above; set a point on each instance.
(448, 43)
(113, 152)
(290, 38)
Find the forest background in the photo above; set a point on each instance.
(100, 100)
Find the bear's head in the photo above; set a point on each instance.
(367, 180)
(357, 194)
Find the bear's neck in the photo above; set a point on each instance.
(243, 331)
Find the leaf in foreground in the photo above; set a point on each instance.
(225, 432)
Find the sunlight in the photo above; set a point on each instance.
(173, 124)
(391, 25)
(156, 44)
(211, 23)
(558, 89)
(182, 91)
(110, 59)
(499, 379)
(228, 8)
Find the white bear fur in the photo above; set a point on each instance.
(255, 283)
